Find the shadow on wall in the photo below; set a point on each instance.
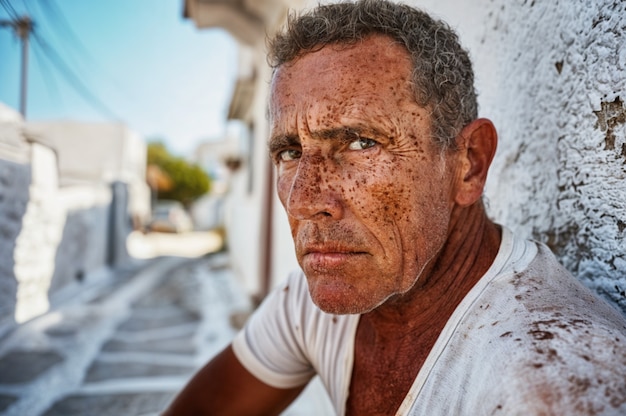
(14, 181)
(94, 234)
(52, 252)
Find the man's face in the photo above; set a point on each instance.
(367, 192)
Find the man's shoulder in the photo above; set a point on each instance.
(544, 286)
(569, 361)
(545, 302)
(549, 339)
(530, 340)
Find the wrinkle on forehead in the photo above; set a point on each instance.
(363, 113)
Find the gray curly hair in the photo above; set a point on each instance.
(443, 79)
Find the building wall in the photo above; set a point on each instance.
(39, 235)
(15, 177)
(84, 244)
(207, 211)
(98, 153)
(54, 239)
(247, 216)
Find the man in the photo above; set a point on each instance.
(410, 300)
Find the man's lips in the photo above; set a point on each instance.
(331, 248)
(329, 256)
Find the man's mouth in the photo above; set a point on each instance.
(329, 256)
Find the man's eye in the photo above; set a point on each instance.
(362, 144)
(287, 155)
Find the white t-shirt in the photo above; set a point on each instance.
(527, 339)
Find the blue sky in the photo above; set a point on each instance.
(138, 61)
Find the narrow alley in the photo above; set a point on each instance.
(128, 345)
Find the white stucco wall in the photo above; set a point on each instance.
(84, 244)
(55, 239)
(40, 233)
(246, 205)
(98, 153)
(568, 135)
(15, 178)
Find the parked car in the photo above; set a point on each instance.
(170, 217)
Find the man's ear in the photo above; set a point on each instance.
(476, 145)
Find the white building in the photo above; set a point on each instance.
(220, 159)
(258, 253)
(68, 195)
(101, 153)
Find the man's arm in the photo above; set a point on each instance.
(225, 387)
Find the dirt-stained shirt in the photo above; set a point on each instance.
(528, 339)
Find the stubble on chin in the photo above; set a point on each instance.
(335, 296)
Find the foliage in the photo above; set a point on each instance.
(188, 180)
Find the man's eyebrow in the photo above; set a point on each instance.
(282, 141)
(350, 133)
(339, 133)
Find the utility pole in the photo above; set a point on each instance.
(22, 28)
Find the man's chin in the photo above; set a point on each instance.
(339, 309)
(338, 300)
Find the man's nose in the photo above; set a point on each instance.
(315, 190)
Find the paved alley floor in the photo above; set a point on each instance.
(127, 346)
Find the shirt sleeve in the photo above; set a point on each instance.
(270, 346)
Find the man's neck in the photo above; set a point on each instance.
(393, 341)
(472, 245)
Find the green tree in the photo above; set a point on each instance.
(188, 181)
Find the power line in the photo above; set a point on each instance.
(73, 80)
(55, 15)
(47, 53)
(49, 78)
(6, 5)
(61, 26)
(28, 9)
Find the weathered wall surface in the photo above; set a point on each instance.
(83, 246)
(15, 176)
(39, 236)
(30, 224)
(562, 164)
(552, 77)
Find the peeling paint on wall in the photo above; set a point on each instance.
(611, 118)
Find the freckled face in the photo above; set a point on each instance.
(367, 194)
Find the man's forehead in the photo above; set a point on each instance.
(331, 116)
(335, 72)
(377, 53)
